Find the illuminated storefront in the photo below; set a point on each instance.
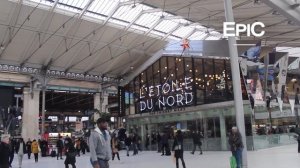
(185, 93)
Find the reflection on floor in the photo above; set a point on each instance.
(279, 157)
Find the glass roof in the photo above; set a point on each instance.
(145, 18)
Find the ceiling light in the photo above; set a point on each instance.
(1, 47)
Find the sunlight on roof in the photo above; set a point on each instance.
(144, 18)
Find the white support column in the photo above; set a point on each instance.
(236, 81)
(223, 132)
(104, 97)
(30, 118)
(97, 105)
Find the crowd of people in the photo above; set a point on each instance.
(104, 146)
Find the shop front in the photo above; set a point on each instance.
(187, 94)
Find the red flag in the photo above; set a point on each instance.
(185, 44)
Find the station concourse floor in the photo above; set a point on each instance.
(278, 157)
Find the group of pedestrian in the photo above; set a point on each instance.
(9, 147)
(133, 141)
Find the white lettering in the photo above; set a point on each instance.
(141, 93)
(142, 105)
(150, 106)
(173, 101)
(240, 28)
(230, 27)
(253, 29)
(158, 90)
(166, 88)
(151, 91)
(187, 81)
(179, 99)
(226, 29)
(186, 98)
(161, 102)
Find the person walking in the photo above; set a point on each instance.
(83, 146)
(12, 146)
(178, 148)
(60, 146)
(197, 142)
(70, 153)
(128, 142)
(100, 147)
(236, 146)
(114, 147)
(78, 146)
(135, 144)
(35, 150)
(158, 140)
(147, 141)
(20, 150)
(28, 148)
(4, 151)
(164, 144)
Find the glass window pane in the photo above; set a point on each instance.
(199, 81)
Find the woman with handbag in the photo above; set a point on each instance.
(70, 153)
(178, 148)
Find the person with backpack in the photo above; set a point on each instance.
(4, 151)
(236, 146)
(178, 148)
(60, 146)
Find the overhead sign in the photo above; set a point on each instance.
(235, 29)
(121, 101)
(168, 94)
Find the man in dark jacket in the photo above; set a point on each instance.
(197, 141)
(60, 146)
(236, 146)
(12, 147)
(28, 148)
(4, 151)
(164, 144)
(128, 141)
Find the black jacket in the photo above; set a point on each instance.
(59, 144)
(18, 147)
(4, 154)
(128, 141)
(178, 142)
(28, 146)
(235, 141)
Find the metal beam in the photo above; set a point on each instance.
(141, 68)
(39, 37)
(68, 33)
(90, 39)
(172, 31)
(284, 8)
(190, 33)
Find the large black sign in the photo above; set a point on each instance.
(121, 102)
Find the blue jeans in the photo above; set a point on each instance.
(238, 157)
(102, 163)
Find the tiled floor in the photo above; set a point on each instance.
(279, 157)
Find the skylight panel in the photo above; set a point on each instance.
(198, 35)
(148, 19)
(166, 26)
(44, 2)
(128, 12)
(75, 3)
(183, 31)
(103, 7)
